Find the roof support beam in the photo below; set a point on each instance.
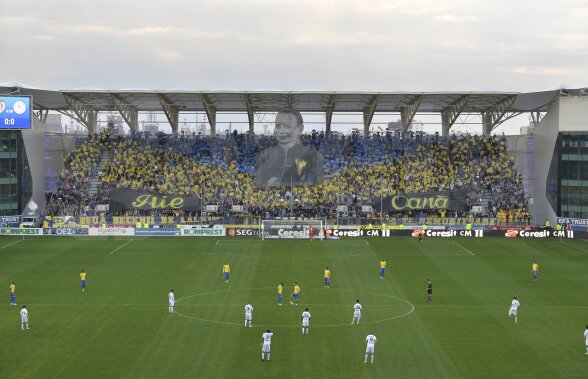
(536, 118)
(250, 113)
(290, 101)
(329, 113)
(492, 117)
(210, 109)
(408, 112)
(368, 114)
(42, 114)
(86, 114)
(128, 112)
(450, 114)
(171, 111)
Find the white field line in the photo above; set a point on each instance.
(307, 256)
(10, 244)
(574, 247)
(463, 248)
(164, 304)
(120, 247)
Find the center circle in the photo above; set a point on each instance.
(210, 309)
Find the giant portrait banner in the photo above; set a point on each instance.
(121, 199)
(453, 201)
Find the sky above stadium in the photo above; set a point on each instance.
(335, 45)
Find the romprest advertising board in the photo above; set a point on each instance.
(21, 231)
(212, 232)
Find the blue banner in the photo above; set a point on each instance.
(10, 221)
(68, 231)
(157, 232)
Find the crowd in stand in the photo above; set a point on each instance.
(358, 171)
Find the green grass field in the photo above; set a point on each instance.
(120, 327)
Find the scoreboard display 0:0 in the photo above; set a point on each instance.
(16, 112)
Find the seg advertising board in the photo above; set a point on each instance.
(243, 232)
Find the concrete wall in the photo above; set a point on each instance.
(573, 114)
(545, 139)
(35, 148)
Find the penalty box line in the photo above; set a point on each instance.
(10, 244)
(463, 248)
(121, 246)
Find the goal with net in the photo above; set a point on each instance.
(291, 228)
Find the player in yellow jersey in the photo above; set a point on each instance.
(12, 293)
(280, 286)
(83, 280)
(295, 298)
(382, 268)
(327, 277)
(534, 269)
(226, 271)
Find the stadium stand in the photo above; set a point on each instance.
(357, 171)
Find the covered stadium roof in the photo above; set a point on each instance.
(86, 103)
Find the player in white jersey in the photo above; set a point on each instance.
(514, 308)
(586, 337)
(356, 312)
(24, 317)
(371, 345)
(248, 314)
(172, 301)
(305, 321)
(266, 342)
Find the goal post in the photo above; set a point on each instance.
(291, 228)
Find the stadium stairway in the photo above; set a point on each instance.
(105, 159)
(486, 199)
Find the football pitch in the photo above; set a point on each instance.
(121, 327)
